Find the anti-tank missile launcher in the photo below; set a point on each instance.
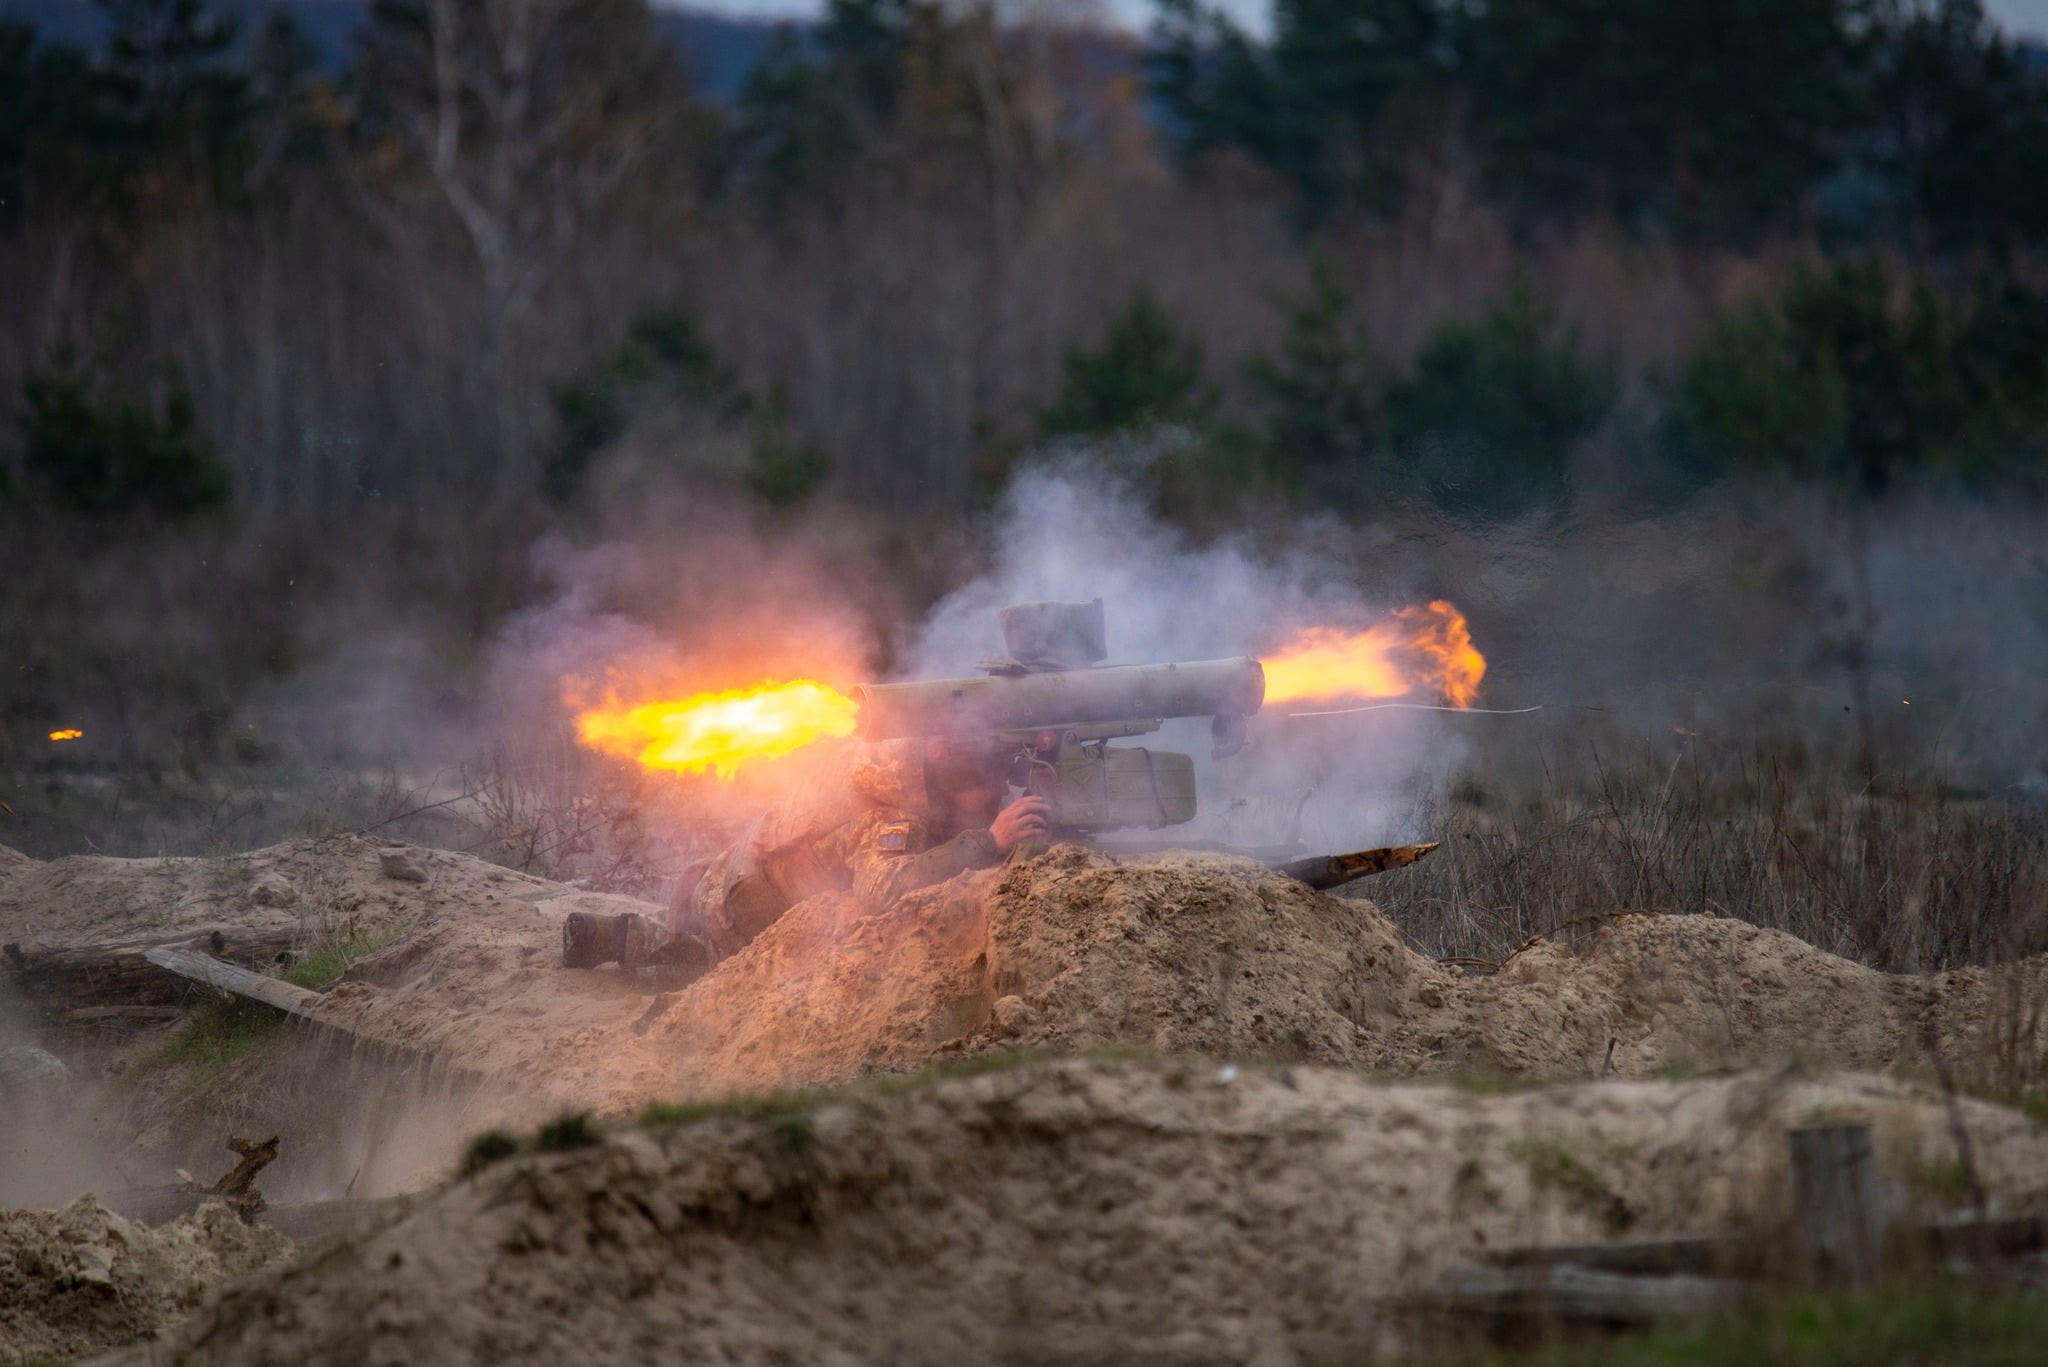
(1044, 715)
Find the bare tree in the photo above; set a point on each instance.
(534, 122)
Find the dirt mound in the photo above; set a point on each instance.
(1206, 954)
(82, 1278)
(1147, 1211)
(1219, 956)
(362, 1113)
(1179, 953)
(340, 882)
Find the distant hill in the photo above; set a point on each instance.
(718, 49)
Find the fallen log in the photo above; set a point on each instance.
(93, 982)
(289, 998)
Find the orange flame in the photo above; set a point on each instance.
(1421, 650)
(68, 733)
(717, 732)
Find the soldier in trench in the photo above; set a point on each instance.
(907, 815)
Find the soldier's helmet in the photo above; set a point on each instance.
(911, 776)
(891, 774)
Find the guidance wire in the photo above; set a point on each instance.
(1421, 707)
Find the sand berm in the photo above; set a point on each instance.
(1233, 1171)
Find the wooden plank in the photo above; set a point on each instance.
(1640, 1257)
(202, 968)
(69, 980)
(1568, 1293)
(1968, 1237)
(1834, 1201)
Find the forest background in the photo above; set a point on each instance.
(1700, 351)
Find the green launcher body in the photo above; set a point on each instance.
(1050, 731)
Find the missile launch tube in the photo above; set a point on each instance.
(1077, 697)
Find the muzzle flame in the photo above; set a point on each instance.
(717, 732)
(1420, 650)
(68, 733)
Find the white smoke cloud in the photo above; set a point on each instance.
(1071, 534)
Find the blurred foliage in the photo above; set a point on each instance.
(1859, 374)
(1315, 392)
(1749, 398)
(1327, 103)
(782, 469)
(42, 98)
(664, 356)
(1699, 118)
(665, 360)
(97, 454)
(1145, 374)
(805, 108)
(1487, 420)
(505, 167)
(1211, 478)
(167, 79)
(1957, 127)
(1715, 120)
(898, 95)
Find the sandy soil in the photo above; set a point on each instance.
(1181, 953)
(1273, 1209)
(82, 1278)
(320, 886)
(1149, 1211)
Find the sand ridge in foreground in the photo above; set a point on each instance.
(1136, 1210)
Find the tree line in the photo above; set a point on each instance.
(1915, 122)
(504, 253)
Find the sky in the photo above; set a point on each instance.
(2018, 16)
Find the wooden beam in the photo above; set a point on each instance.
(203, 968)
(1699, 1254)
(1568, 1293)
(1835, 1204)
(96, 982)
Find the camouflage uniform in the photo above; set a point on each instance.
(877, 833)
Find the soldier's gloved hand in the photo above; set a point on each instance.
(1028, 818)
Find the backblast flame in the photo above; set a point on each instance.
(68, 733)
(1419, 650)
(717, 732)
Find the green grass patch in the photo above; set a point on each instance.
(577, 1131)
(324, 966)
(1491, 1082)
(1469, 1185)
(213, 1039)
(1917, 1324)
(1555, 1168)
(1684, 1070)
(795, 1130)
(663, 1115)
(492, 1146)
